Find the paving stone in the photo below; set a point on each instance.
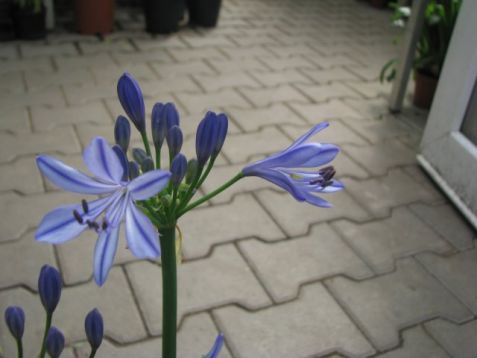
(278, 64)
(223, 226)
(199, 102)
(11, 82)
(208, 40)
(371, 89)
(377, 131)
(227, 80)
(384, 305)
(259, 39)
(381, 242)
(446, 221)
(24, 168)
(171, 70)
(319, 254)
(25, 271)
(369, 108)
(37, 80)
(8, 52)
(459, 341)
(58, 140)
(323, 328)
(15, 120)
(245, 52)
(236, 65)
(77, 95)
(327, 92)
(292, 50)
(50, 97)
(158, 55)
(323, 76)
(267, 96)
(105, 46)
(30, 49)
(332, 61)
(31, 64)
(316, 112)
(420, 176)
(378, 159)
(455, 272)
(100, 60)
(195, 337)
(379, 195)
(287, 76)
(296, 217)
(221, 279)
(111, 74)
(191, 54)
(147, 44)
(416, 344)
(45, 119)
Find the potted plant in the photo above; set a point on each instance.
(204, 12)
(440, 18)
(28, 18)
(94, 16)
(163, 16)
(380, 4)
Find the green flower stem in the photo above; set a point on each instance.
(190, 192)
(207, 171)
(19, 348)
(93, 353)
(158, 158)
(210, 195)
(169, 291)
(47, 328)
(146, 143)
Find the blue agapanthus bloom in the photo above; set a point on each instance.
(291, 169)
(216, 348)
(117, 202)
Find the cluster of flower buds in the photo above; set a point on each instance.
(49, 289)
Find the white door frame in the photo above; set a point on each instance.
(446, 154)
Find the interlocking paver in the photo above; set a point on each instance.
(267, 333)
(235, 65)
(445, 220)
(246, 52)
(381, 130)
(209, 40)
(37, 80)
(278, 64)
(333, 109)
(320, 254)
(222, 278)
(140, 71)
(384, 305)
(296, 217)
(327, 92)
(292, 50)
(369, 108)
(459, 341)
(226, 80)
(61, 140)
(159, 42)
(371, 89)
(100, 60)
(194, 338)
(45, 119)
(288, 76)
(416, 343)
(171, 70)
(8, 52)
(30, 64)
(266, 96)
(105, 46)
(11, 82)
(200, 102)
(32, 49)
(382, 242)
(323, 76)
(126, 59)
(381, 194)
(49, 97)
(332, 61)
(24, 168)
(223, 227)
(191, 54)
(15, 120)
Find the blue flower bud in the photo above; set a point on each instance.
(158, 125)
(178, 169)
(122, 133)
(123, 159)
(93, 325)
(55, 342)
(171, 115)
(174, 140)
(139, 155)
(15, 319)
(214, 352)
(192, 168)
(133, 170)
(223, 125)
(132, 100)
(147, 165)
(206, 138)
(49, 287)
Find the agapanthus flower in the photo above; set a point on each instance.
(295, 169)
(117, 202)
(216, 348)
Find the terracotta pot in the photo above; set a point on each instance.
(94, 16)
(424, 89)
(27, 24)
(380, 4)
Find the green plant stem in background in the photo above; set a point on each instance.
(169, 291)
(211, 194)
(47, 328)
(93, 353)
(19, 348)
(146, 143)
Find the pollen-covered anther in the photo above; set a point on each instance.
(84, 205)
(78, 216)
(325, 176)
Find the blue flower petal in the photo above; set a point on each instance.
(132, 100)
(317, 128)
(104, 253)
(141, 235)
(148, 184)
(214, 352)
(70, 179)
(101, 160)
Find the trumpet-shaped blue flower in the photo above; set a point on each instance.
(287, 169)
(117, 202)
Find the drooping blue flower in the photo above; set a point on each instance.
(214, 352)
(93, 326)
(210, 136)
(178, 169)
(287, 169)
(117, 202)
(122, 133)
(15, 319)
(49, 287)
(132, 100)
(55, 342)
(174, 140)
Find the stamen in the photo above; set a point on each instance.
(325, 177)
(84, 204)
(78, 216)
(104, 226)
(92, 225)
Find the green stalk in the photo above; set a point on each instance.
(169, 291)
(207, 171)
(210, 195)
(93, 353)
(146, 143)
(47, 328)
(19, 348)
(158, 158)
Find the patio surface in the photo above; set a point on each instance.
(388, 272)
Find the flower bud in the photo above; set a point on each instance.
(123, 159)
(222, 127)
(178, 169)
(192, 168)
(122, 133)
(158, 125)
(133, 170)
(147, 165)
(93, 325)
(171, 115)
(49, 287)
(15, 319)
(206, 138)
(174, 140)
(55, 342)
(139, 155)
(132, 100)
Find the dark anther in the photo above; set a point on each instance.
(104, 226)
(92, 225)
(77, 216)
(84, 204)
(325, 176)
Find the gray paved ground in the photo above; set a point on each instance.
(389, 272)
